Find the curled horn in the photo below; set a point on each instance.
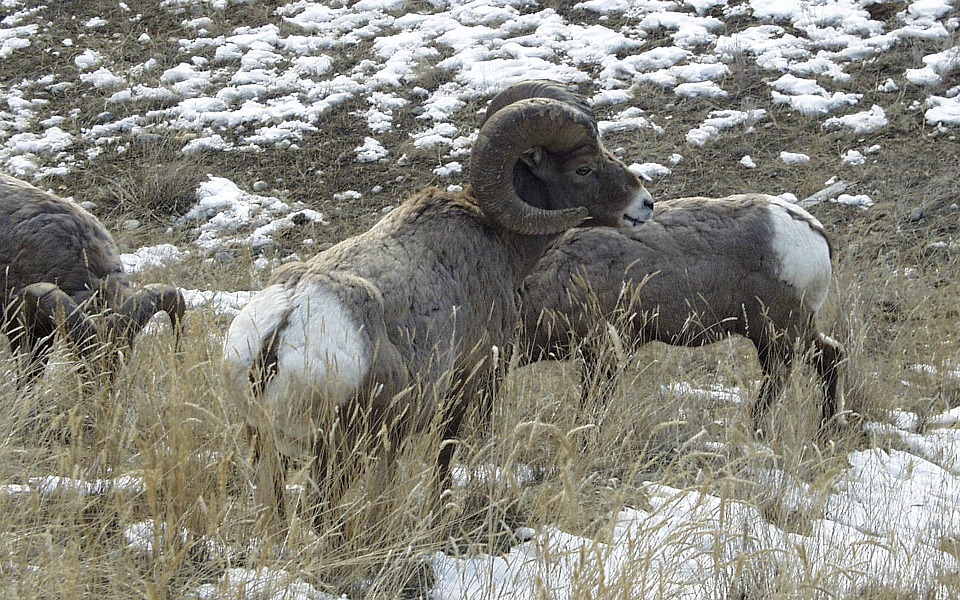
(150, 300)
(46, 307)
(537, 88)
(555, 125)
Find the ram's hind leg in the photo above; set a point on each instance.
(341, 449)
(270, 479)
(776, 361)
(322, 488)
(828, 353)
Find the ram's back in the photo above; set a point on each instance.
(45, 238)
(443, 275)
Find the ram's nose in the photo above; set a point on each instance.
(640, 209)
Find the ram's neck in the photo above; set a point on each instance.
(527, 250)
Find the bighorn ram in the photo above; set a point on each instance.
(385, 329)
(699, 271)
(62, 271)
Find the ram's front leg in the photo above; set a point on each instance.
(469, 393)
(33, 335)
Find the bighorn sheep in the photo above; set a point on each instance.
(699, 271)
(62, 271)
(385, 329)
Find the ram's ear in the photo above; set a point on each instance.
(534, 157)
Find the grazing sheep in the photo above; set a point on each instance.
(388, 328)
(699, 271)
(62, 271)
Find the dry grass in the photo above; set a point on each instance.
(167, 424)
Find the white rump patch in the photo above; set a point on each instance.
(322, 357)
(322, 345)
(802, 250)
(255, 320)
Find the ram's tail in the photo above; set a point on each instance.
(250, 348)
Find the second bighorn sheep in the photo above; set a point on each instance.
(385, 329)
(61, 271)
(699, 271)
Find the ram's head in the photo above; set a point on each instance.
(538, 166)
(101, 328)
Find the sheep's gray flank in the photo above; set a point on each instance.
(388, 329)
(62, 271)
(699, 271)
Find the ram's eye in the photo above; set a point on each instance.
(584, 171)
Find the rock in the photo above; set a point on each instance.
(941, 251)
(266, 247)
(828, 193)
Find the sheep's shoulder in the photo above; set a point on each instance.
(430, 236)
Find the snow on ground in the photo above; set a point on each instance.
(270, 85)
(694, 545)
